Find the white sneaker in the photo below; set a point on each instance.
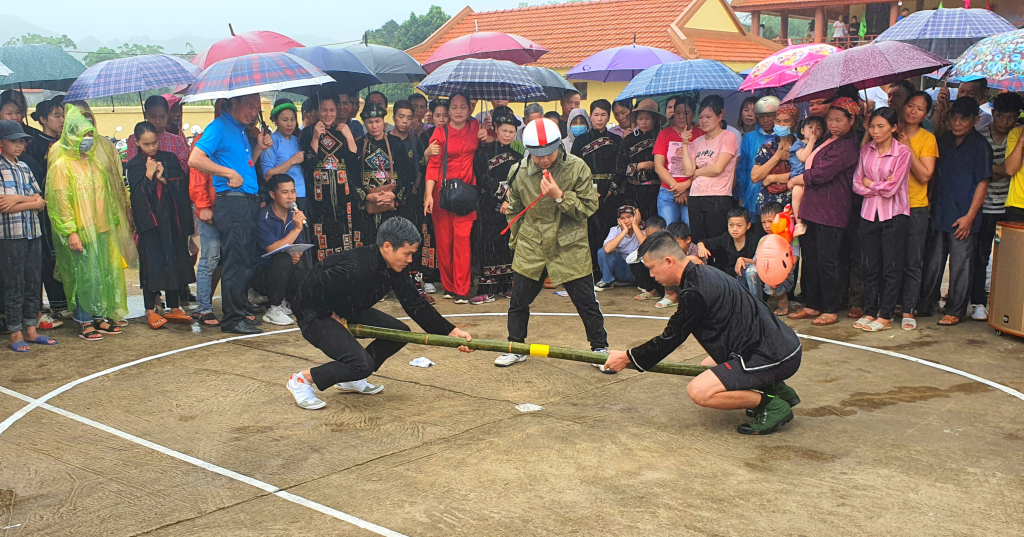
(303, 393)
(980, 313)
(359, 386)
(508, 359)
(429, 288)
(256, 298)
(276, 315)
(286, 307)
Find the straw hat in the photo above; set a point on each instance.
(648, 105)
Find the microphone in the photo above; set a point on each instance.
(295, 207)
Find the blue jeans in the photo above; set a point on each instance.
(209, 258)
(613, 267)
(754, 283)
(81, 315)
(671, 211)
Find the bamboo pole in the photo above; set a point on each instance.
(544, 351)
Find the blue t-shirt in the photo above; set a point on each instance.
(270, 229)
(958, 171)
(795, 166)
(627, 245)
(282, 150)
(357, 129)
(747, 190)
(227, 144)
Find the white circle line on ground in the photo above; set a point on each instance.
(329, 511)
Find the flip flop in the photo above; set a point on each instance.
(954, 323)
(780, 312)
(19, 346)
(875, 326)
(908, 324)
(43, 340)
(799, 314)
(823, 323)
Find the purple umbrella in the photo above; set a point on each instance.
(865, 67)
(620, 64)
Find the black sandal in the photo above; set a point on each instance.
(110, 329)
(208, 319)
(89, 333)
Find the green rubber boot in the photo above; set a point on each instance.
(774, 415)
(782, 391)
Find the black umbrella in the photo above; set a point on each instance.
(392, 66)
(553, 84)
(349, 73)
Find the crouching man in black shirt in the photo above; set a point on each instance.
(345, 287)
(751, 350)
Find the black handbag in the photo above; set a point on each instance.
(457, 196)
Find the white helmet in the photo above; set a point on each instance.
(542, 137)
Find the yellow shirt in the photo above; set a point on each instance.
(923, 145)
(1015, 197)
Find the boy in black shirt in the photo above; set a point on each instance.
(730, 252)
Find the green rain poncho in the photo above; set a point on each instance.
(80, 199)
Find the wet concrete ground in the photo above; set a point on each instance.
(880, 445)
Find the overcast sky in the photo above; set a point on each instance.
(340, 21)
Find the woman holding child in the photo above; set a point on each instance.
(774, 162)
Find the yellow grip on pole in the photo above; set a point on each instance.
(539, 350)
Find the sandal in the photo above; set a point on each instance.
(666, 302)
(108, 329)
(208, 319)
(779, 312)
(43, 340)
(121, 323)
(800, 314)
(949, 320)
(646, 295)
(155, 320)
(89, 333)
(862, 322)
(875, 326)
(908, 323)
(818, 322)
(178, 315)
(19, 346)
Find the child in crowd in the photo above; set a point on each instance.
(731, 251)
(811, 130)
(21, 243)
(754, 282)
(681, 233)
(620, 242)
(649, 289)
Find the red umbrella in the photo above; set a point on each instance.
(866, 66)
(242, 44)
(493, 45)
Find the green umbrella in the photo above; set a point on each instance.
(39, 67)
(4, 71)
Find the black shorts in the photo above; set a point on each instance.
(735, 378)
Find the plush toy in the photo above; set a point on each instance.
(774, 259)
(783, 224)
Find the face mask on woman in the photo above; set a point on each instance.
(86, 144)
(781, 130)
(578, 130)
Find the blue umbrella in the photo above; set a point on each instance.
(946, 33)
(482, 79)
(677, 77)
(132, 75)
(344, 67)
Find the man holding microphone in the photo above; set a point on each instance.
(278, 276)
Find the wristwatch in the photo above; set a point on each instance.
(560, 199)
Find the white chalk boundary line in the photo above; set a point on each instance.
(41, 402)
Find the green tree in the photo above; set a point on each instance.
(63, 41)
(409, 33)
(123, 51)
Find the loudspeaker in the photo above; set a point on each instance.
(1006, 293)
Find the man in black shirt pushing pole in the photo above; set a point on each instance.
(751, 350)
(343, 288)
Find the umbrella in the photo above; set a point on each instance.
(620, 64)
(39, 67)
(491, 45)
(344, 67)
(392, 66)
(131, 75)
(947, 33)
(268, 71)
(242, 44)
(866, 66)
(999, 58)
(677, 77)
(785, 66)
(553, 84)
(482, 79)
(4, 71)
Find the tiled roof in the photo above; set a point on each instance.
(746, 5)
(730, 51)
(574, 31)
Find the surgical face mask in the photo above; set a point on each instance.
(578, 130)
(781, 130)
(86, 144)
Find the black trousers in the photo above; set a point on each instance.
(173, 297)
(351, 360)
(644, 280)
(1013, 214)
(22, 293)
(709, 216)
(581, 292)
(820, 247)
(913, 267)
(235, 220)
(278, 279)
(982, 250)
(644, 196)
(851, 264)
(884, 248)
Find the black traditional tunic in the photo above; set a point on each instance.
(163, 222)
(426, 263)
(639, 186)
(600, 151)
(491, 166)
(329, 196)
(382, 163)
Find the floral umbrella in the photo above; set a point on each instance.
(785, 66)
(999, 58)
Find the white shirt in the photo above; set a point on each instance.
(840, 29)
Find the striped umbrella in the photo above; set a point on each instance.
(131, 75)
(677, 77)
(947, 33)
(482, 79)
(254, 73)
